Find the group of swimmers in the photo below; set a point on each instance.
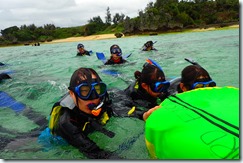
(88, 106)
(115, 51)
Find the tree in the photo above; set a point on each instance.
(108, 16)
(95, 25)
(96, 19)
(9, 33)
(118, 18)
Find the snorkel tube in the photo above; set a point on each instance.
(152, 62)
(192, 62)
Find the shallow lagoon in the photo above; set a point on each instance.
(41, 76)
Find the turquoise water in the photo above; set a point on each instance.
(41, 76)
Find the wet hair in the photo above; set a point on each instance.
(190, 75)
(149, 75)
(114, 46)
(83, 75)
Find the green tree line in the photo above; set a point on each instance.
(160, 16)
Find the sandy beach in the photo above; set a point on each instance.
(110, 36)
(83, 38)
(212, 28)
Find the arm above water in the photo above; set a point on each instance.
(77, 138)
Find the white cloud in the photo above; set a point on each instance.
(63, 13)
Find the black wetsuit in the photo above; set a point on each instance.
(146, 49)
(141, 99)
(123, 101)
(82, 54)
(111, 62)
(74, 126)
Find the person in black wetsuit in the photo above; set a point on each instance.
(82, 51)
(149, 89)
(192, 77)
(83, 110)
(116, 56)
(148, 46)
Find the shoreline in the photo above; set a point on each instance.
(112, 36)
(83, 38)
(214, 28)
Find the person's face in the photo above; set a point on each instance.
(83, 104)
(116, 53)
(115, 56)
(149, 90)
(81, 50)
(149, 48)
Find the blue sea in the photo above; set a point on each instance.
(41, 74)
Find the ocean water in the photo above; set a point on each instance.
(41, 74)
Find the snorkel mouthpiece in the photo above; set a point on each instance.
(95, 110)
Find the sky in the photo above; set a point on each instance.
(63, 13)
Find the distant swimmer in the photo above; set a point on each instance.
(82, 51)
(116, 56)
(148, 46)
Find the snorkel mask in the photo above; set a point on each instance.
(95, 90)
(201, 83)
(116, 50)
(80, 46)
(148, 44)
(158, 86)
